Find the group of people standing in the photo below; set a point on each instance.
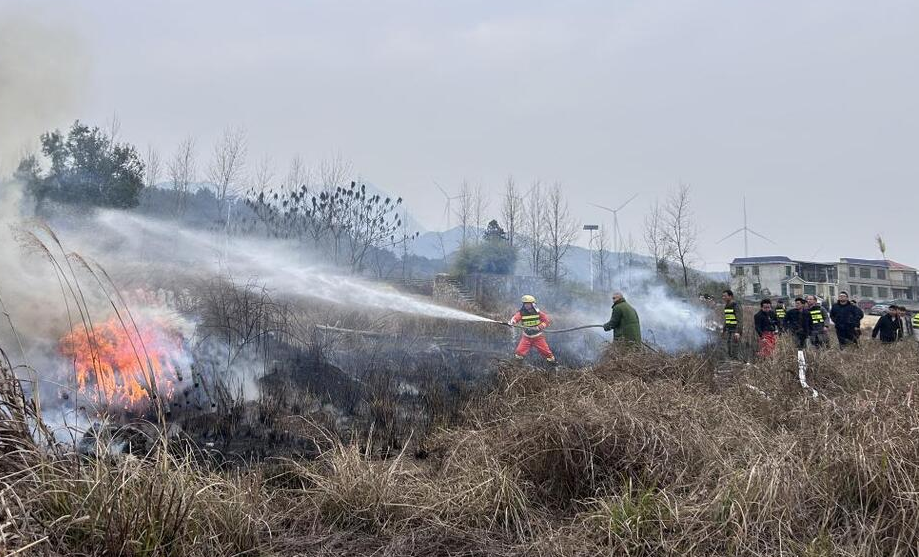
(808, 322)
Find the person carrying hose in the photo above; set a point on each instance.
(624, 323)
(534, 322)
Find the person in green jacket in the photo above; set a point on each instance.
(623, 322)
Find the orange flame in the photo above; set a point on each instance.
(119, 366)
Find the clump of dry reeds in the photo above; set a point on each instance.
(642, 454)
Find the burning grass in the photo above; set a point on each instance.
(642, 454)
(124, 367)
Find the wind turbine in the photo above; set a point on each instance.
(449, 198)
(617, 236)
(746, 230)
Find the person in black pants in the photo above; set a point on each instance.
(732, 330)
(814, 320)
(847, 318)
(794, 323)
(780, 314)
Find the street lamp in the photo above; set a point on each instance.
(590, 253)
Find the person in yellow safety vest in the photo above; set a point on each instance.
(915, 323)
(534, 322)
(815, 323)
(780, 315)
(733, 326)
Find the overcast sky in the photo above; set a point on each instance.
(810, 109)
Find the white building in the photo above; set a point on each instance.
(866, 279)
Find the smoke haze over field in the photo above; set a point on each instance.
(43, 73)
(793, 104)
(124, 243)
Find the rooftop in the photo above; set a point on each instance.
(761, 259)
(764, 259)
(885, 263)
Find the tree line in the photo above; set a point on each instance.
(327, 210)
(539, 230)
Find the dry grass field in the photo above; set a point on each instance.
(641, 454)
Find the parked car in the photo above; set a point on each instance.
(878, 309)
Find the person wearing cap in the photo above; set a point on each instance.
(624, 323)
(847, 319)
(534, 322)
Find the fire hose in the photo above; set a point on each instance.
(568, 330)
(549, 332)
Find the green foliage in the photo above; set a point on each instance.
(85, 167)
(494, 232)
(494, 255)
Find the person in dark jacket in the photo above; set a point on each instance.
(794, 323)
(766, 324)
(888, 326)
(847, 318)
(815, 318)
(623, 322)
(732, 329)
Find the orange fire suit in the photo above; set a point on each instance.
(535, 320)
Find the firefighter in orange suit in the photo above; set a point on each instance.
(534, 322)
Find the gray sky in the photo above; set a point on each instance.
(811, 109)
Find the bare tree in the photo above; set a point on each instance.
(153, 167)
(334, 172)
(656, 238)
(561, 230)
(331, 212)
(602, 245)
(228, 164)
(680, 229)
(465, 210)
(370, 221)
(182, 171)
(297, 174)
(534, 211)
(629, 260)
(408, 241)
(511, 210)
(114, 127)
(263, 176)
(479, 201)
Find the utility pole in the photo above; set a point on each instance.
(591, 228)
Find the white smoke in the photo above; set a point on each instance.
(668, 321)
(43, 69)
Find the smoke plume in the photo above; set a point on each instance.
(43, 69)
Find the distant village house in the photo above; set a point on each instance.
(865, 279)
